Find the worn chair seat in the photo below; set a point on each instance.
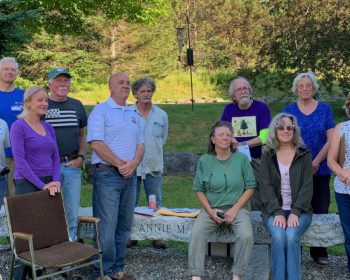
(61, 255)
(39, 237)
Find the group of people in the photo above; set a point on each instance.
(291, 181)
(46, 132)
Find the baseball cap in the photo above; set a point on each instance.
(58, 71)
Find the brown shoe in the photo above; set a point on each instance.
(131, 243)
(159, 244)
(123, 276)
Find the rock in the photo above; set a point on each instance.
(180, 164)
(199, 101)
(183, 101)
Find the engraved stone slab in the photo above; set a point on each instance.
(325, 229)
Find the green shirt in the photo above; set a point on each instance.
(223, 181)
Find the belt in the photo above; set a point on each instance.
(68, 158)
(105, 166)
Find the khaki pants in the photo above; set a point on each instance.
(204, 225)
(10, 185)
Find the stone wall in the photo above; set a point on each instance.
(175, 164)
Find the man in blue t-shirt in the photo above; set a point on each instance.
(11, 104)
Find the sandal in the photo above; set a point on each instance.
(322, 261)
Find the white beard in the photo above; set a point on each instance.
(244, 101)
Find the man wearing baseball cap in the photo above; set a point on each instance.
(68, 117)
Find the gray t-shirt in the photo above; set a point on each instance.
(4, 143)
(67, 118)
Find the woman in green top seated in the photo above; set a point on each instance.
(224, 183)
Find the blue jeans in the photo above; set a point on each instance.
(153, 185)
(71, 189)
(343, 202)
(3, 188)
(113, 201)
(285, 248)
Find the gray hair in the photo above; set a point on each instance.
(28, 94)
(311, 76)
(143, 81)
(231, 89)
(272, 142)
(9, 59)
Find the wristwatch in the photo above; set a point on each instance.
(81, 156)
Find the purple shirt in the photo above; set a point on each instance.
(35, 155)
(248, 123)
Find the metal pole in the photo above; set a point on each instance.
(189, 46)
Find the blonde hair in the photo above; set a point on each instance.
(27, 97)
(272, 142)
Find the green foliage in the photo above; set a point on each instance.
(310, 35)
(54, 51)
(67, 17)
(13, 31)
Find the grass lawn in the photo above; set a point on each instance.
(188, 131)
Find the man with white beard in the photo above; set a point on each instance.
(250, 118)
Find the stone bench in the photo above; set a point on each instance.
(324, 231)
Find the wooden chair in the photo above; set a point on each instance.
(39, 236)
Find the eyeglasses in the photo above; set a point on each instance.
(242, 89)
(288, 127)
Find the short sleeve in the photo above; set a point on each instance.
(265, 117)
(96, 125)
(83, 120)
(329, 117)
(198, 179)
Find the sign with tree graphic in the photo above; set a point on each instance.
(244, 126)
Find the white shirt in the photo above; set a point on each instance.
(286, 191)
(4, 143)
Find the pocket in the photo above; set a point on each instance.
(157, 129)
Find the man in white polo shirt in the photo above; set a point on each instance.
(116, 137)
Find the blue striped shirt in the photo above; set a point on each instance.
(119, 127)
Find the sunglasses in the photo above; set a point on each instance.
(288, 127)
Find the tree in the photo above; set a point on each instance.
(13, 26)
(310, 35)
(69, 17)
(226, 34)
(141, 49)
(20, 19)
